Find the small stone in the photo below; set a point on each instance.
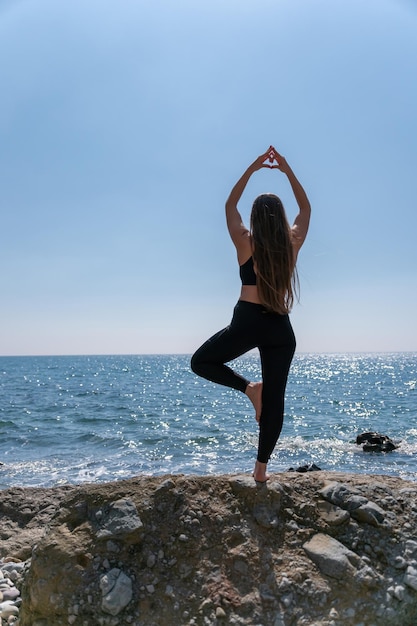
(151, 560)
(10, 594)
(220, 613)
(292, 525)
(165, 486)
(410, 548)
(169, 591)
(410, 577)
(240, 566)
(207, 602)
(370, 513)
(120, 520)
(266, 594)
(12, 565)
(112, 547)
(333, 515)
(8, 608)
(399, 591)
(117, 592)
(330, 556)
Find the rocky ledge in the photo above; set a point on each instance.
(318, 548)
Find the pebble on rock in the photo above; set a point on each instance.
(410, 577)
(117, 592)
(7, 609)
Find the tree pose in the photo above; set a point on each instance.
(267, 255)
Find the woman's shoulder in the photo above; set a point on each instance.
(296, 239)
(244, 248)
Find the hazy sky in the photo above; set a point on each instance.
(125, 124)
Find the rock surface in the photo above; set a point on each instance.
(311, 549)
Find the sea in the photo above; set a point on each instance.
(76, 419)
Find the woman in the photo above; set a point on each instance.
(267, 255)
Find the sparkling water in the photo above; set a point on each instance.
(99, 418)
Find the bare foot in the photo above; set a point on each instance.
(259, 473)
(254, 393)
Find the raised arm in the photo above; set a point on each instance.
(302, 220)
(237, 230)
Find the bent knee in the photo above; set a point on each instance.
(195, 364)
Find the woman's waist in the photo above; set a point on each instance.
(249, 299)
(249, 293)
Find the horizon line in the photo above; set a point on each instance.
(129, 354)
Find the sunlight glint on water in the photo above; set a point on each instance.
(76, 419)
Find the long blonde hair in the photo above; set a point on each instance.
(273, 254)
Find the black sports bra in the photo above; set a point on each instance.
(247, 273)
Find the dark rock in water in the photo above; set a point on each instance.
(369, 437)
(310, 467)
(387, 446)
(375, 442)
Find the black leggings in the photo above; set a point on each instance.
(253, 327)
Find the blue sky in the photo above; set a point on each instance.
(123, 127)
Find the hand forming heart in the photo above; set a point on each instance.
(271, 159)
(272, 156)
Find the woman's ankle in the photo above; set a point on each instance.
(259, 472)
